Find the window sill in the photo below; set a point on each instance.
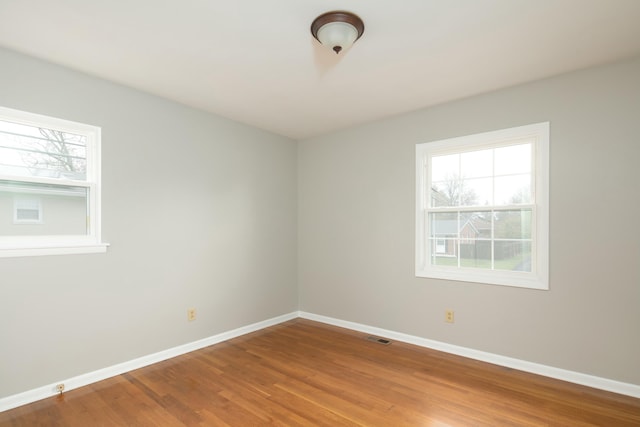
(54, 250)
(501, 278)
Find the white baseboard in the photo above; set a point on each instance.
(49, 390)
(522, 365)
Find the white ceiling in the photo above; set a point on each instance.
(256, 62)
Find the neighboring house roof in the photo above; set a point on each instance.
(41, 189)
(449, 227)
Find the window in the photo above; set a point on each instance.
(51, 166)
(482, 211)
(27, 211)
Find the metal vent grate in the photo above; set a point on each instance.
(379, 340)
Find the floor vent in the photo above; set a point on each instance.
(379, 340)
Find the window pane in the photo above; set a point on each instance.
(476, 192)
(63, 209)
(477, 164)
(27, 210)
(443, 225)
(475, 225)
(513, 159)
(512, 255)
(513, 224)
(444, 168)
(41, 152)
(475, 254)
(443, 238)
(26, 214)
(444, 252)
(444, 194)
(455, 192)
(513, 190)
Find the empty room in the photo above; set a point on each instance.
(337, 213)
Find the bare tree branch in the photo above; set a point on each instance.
(55, 152)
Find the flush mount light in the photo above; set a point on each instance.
(337, 30)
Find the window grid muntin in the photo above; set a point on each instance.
(458, 238)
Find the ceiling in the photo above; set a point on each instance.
(256, 62)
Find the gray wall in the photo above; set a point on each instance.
(200, 212)
(356, 227)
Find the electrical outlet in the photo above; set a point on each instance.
(191, 314)
(60, 388)
(448, 316)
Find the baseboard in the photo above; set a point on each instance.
(49, 390)
(632, 390)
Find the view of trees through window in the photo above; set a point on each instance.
(36, 151)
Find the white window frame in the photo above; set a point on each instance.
(538, 278)
(12, 246)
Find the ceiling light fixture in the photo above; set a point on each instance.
(337, 30)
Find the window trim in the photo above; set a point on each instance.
(13, 246)
(539, 277)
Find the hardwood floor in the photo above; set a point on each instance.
(303, 373)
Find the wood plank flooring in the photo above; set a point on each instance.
(303, 373)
